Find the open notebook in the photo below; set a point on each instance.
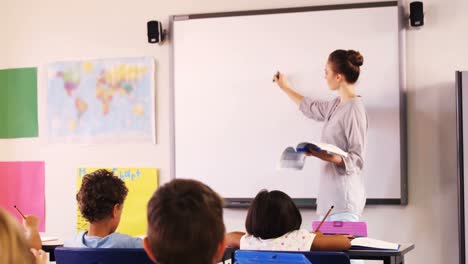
(370, 243)
(45, 238)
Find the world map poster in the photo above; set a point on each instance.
(101, 101)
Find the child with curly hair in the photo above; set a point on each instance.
(100, 200)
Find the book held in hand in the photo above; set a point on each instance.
(291, 159)
(294, 158)
(329, 148)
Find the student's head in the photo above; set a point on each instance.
(185, 224)
(13, 245)
(101, 197)
(343, 67)
(272, 214)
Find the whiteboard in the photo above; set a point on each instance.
(231, 122)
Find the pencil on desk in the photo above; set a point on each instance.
(19, 211)
(323, 220)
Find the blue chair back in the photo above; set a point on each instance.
(65, 255)
(268, 257)
(314, 257)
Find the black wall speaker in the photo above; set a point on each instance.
(416, 14)
(155, 31)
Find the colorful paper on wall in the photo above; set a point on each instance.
(18, 103)
(141, 184)
(23, 186)
(101, 101)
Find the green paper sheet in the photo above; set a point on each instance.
(18, 103)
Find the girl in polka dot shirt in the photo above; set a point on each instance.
(274, 223)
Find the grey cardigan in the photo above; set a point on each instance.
(345, 126)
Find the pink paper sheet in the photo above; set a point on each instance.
(22, 184)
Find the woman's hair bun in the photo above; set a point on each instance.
(355, 58)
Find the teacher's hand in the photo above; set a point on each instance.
(281, 80)
(323, 155)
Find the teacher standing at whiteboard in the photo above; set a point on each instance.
(345, 126)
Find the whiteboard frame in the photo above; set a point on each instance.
(306, 202)
(461, 181)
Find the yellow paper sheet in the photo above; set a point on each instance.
(141, 184)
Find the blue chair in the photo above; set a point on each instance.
(269, 257)
(65, 255)
(290, 257)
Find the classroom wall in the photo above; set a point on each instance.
(35, 33)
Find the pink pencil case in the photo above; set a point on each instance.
(358, 229)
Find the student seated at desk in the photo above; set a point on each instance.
(185, 224)
(274, 223)
(100, 199)
(15, 247)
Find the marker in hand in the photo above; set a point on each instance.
(276, 76)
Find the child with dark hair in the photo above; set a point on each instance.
(274, 223)
(185, 224)
(100, 200)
